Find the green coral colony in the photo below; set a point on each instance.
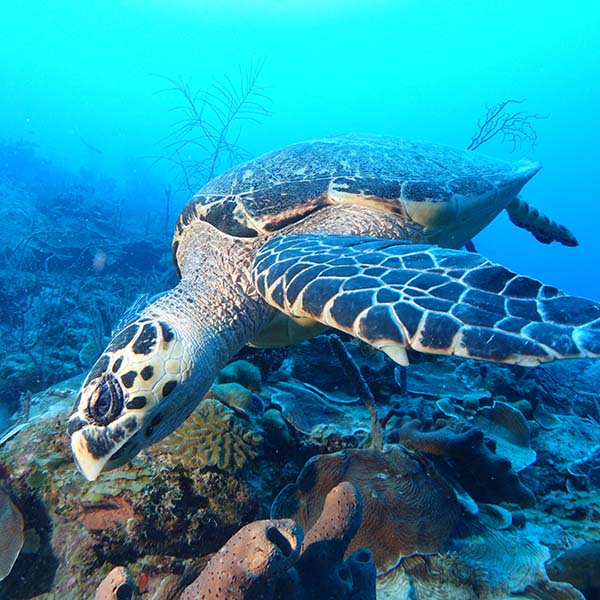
(358, 233)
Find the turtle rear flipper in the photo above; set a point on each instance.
(396, 296)
(543, 228)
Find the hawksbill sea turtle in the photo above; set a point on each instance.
(360, 233)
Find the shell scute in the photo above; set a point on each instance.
(284, 186)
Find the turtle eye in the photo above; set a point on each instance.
(106, 401)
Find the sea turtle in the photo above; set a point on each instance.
(359, 233)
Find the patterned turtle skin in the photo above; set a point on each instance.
(360, 233)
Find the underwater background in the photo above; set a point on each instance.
(83, 81)
(94, 169)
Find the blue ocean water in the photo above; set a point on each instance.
(84, 76)
(88, 121)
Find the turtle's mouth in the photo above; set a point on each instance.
(97, 448)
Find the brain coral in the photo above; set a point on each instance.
(213, 436)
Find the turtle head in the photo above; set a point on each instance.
(132, 396)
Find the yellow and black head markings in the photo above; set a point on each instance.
(355, 232)
(140, 368)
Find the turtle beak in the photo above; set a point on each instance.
(89, 466)
(97, 448)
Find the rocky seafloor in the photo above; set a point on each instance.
(487, 486)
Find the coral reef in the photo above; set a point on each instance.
(151, 515)
(489, 566)
(162, 517)
(68, 268)
(408, 507)
(213, 436)
(275, 560)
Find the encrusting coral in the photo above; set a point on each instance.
(274, 560)
(213, 436)
(490, 565)
(235, 396)
(508, 428)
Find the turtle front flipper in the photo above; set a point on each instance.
(395, 295)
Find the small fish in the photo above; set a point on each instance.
(580, 567)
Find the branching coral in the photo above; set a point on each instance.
(515, 126)
(206, 138)
(353, 373)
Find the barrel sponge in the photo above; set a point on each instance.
(117, 585)
(339, 520)
(321, 569)
(274, 560)
(246, 567)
